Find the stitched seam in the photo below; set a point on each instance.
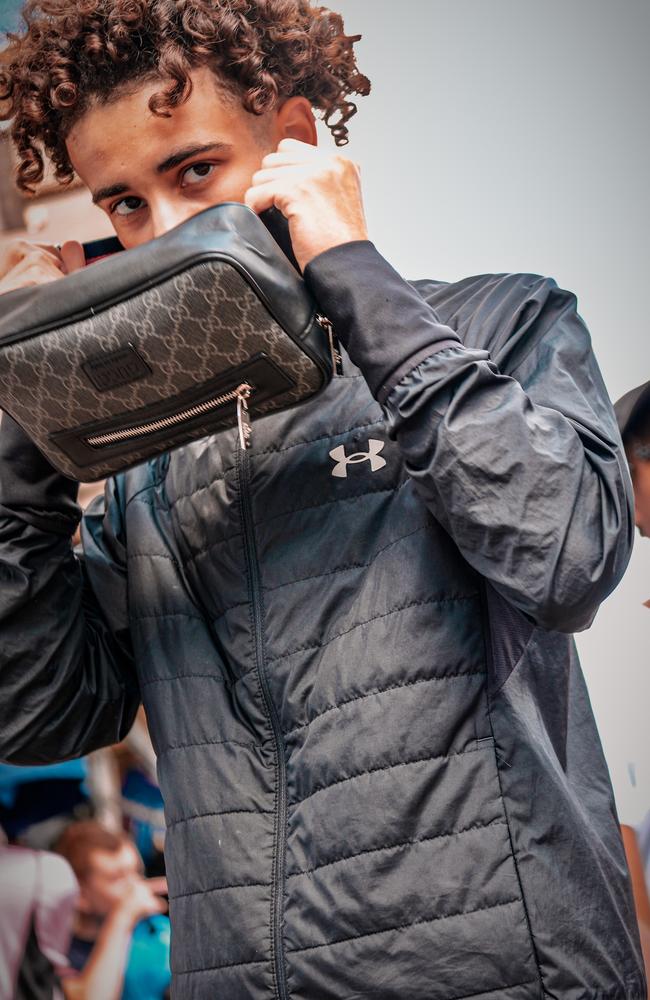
(487, 644)
(398, 846)
(514, 667)
(208, 548)
(384, 690)
(321, 437)
(226, 812)
(231, 607)
(497, 989)
(335, 500)
(219, 968)
(167, 614)
(270, 451)
(412, 923)
(411, 365)
(536, 341)
(138, 498)
(181, 677)
(138, 493)
(204, 488)
(219, 888)
(386, 767)
(344, 569)
(367, 621)
(208, 743)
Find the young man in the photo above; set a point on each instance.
(120, 943)
(381, 773)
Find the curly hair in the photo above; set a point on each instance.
(76, 52)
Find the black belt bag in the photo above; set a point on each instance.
(156, 346)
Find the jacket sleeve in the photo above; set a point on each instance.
(67, 683)
(504, 422)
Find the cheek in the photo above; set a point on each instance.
(642, 497)
(643, 505)
(237, 182)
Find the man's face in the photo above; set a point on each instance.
(110, 875)
(149, 173)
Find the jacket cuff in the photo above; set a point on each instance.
(383, 323)
(30, 488)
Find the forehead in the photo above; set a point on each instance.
(111, 137)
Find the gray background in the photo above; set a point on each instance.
(508, 135)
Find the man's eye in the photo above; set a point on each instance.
(201, 171)
(126, 206)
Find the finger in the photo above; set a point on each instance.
(292, 157)
(73, 257)
(281, 160)
(157, 885)
(260, 198)
(18, 250)
(270, 174)
(47, 246)
(39, 259)
(30, 267)
(297, 147)
(25, 281)
(44, 251)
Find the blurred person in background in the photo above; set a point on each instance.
(38, 898)
(633, 416)
(121, 934)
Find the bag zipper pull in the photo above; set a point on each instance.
(337, 360)
(243, 417)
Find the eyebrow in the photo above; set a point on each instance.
(176, 158)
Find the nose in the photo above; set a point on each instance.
(166, 214)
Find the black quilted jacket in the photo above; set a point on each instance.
(381, 773)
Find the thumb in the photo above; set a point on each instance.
(73, 257)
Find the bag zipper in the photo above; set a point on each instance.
(335, 354)
(280, 831)
(241, 394)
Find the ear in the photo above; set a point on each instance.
(295, 120)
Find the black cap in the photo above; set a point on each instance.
(630, 406)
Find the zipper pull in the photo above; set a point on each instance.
(337, 360)
(243, 417)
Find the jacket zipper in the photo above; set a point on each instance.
(142, 430)
(280, 834)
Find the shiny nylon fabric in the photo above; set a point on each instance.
(450, 829)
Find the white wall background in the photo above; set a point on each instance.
(512, 135)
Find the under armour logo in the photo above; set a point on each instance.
(372, 455)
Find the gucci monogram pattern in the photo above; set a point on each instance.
(188, 329)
